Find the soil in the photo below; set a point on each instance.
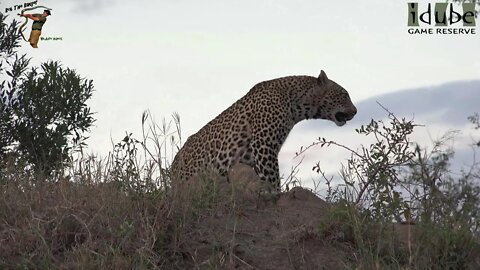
(280, 235)
(270, 231)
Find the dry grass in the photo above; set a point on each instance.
(215, 225)
(79, 226)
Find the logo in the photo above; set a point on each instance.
(441, 18)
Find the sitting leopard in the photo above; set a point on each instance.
(253, 129)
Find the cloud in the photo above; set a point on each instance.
(448, 104)
(92, 6)
(440, 108)
(451, 102)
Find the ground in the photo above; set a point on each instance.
(212, 224)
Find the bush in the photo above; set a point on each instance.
(43, 113)
(394, 191)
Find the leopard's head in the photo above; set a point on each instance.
(331, 101)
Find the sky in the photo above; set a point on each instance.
(198, 57)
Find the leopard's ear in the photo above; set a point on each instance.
(322, 78)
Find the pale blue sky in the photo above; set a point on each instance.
(198, 57)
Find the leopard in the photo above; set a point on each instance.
(253, 129)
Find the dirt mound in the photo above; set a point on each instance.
(279, 235)
(210, 223)
(264, 231)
